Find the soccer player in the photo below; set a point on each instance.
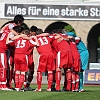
(8, 27)
(20, 57)
(45, 61)
(18, 20)
(84, 54)
(3, 60)
(76, 65)
(30, 60)
(64, 60)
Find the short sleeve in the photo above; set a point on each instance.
(11, 26)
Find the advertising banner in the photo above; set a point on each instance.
(92, 77)
(53, 11)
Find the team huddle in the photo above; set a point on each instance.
(57, 50)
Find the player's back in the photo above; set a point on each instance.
(21, 46)
(44, 45)
(63, 45)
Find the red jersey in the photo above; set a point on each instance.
(59, 46)
(9, 26)
(22, 45)
(44, 44)
(3, 46)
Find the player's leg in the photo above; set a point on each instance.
(30, 75)
(53, 82)
(42, 61)
(17, 75)
(21, 79)
(81, 82)
(3, 60)
(73, 81)
(68, 78)
(58, 79)
(50, 79)
(11, 71)
(76, 82)
(39, 81)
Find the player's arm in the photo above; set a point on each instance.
(14, 32)
(10, 25)
(26, 37)
(8, 38)
(18, 36)
(43, 34)
(35, 39)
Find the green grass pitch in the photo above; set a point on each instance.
(91, 93)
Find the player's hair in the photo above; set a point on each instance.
(18, 19)
(33, 29)
(26, 32)
(24, 26)
(39, 31)
(18, 29)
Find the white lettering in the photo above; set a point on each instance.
(74, 12)
(15, 10)
(51, 12)
(32, 10)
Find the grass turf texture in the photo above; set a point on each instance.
(91, 93)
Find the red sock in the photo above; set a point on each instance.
(53, 80)
(3, 74)
(39, 79)
(17, 80)
(50, 78)
(58, 78)
(22, 79)
(68, 76)
(4, 85)
(76, 81)
(73, 81)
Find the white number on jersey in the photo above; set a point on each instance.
(21, 43)
(43, 40)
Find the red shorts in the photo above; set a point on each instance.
(64, 59)
(46, 62)
(21, 62)
(30, 62)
